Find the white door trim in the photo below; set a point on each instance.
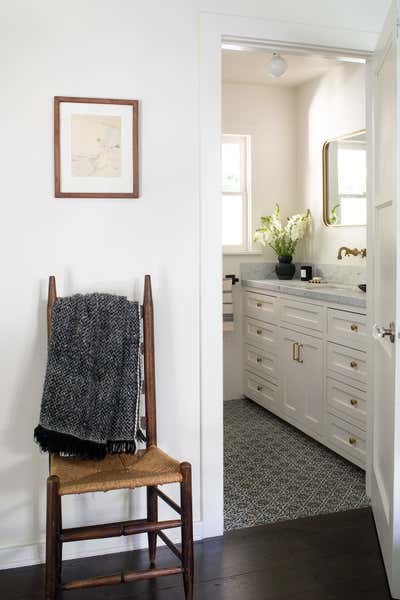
(213, 29)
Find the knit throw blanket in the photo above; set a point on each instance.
(91, 397)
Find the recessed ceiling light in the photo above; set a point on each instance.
(351, 59)
(235, 47)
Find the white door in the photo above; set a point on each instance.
(291, 374)
(384, 299)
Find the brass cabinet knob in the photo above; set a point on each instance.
(353, 402)
(259, 304)
(259, 359)
(259, 388)
(354, 327)
(352, 441)
(353, 364)
(259, 331)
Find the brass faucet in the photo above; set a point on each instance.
(354, 252)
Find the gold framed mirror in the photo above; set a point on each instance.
(344, 166)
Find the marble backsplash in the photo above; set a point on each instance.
(348, 274)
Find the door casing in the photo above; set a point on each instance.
(213, 30)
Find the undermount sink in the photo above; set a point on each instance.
(327, 287)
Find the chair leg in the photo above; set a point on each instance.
(152, 515)
(59, 542)
(52, 539)
(187, 529)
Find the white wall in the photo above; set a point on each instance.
(267, 114)
(327, 107)
(126, 49)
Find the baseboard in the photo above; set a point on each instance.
(22, 556)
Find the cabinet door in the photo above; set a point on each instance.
(302, 378)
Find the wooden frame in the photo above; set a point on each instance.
(56, 536)
(325, 177)
(58, 100)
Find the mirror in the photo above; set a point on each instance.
(345, 180)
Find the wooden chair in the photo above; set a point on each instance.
(147, 468)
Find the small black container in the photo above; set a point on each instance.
(285, 269)
(306, 273)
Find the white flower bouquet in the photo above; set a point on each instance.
(282, 239)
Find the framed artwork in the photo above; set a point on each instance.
(96, 148)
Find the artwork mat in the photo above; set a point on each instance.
(126, 186)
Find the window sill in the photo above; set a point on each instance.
(242, 253)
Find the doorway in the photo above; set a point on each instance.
(293, 143)
(383, 124)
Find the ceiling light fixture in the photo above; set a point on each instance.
(278, 66)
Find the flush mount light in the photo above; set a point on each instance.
(278, 65)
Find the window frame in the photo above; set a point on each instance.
(245, 191)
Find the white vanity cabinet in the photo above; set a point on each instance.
(306, 361)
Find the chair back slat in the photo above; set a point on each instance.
(149, 364)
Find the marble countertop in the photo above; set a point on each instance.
(336, 293)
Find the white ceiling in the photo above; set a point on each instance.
(250, 66)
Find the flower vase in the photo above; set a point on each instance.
(285, 269)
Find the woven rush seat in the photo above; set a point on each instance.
(116, 471)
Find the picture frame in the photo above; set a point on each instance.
(96, 148)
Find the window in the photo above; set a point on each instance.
(236, 205)
(352, 181)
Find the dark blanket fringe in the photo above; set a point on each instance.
(121, 447)
(140, 436)
(68, 445)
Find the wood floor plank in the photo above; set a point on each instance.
(331, 557)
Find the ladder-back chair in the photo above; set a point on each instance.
(147, 468)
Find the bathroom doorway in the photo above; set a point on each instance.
(294, 155)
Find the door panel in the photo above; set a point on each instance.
(301, 358)
(383, 299)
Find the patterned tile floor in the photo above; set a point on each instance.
(273, 472)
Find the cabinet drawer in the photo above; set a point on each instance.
(260, 306)
(261, 391)
(349, 329)
(263, 363)
(346, 361)
(261, 334)
(348, 438)
(302, 314)
(346, 402)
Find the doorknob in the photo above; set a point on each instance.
(382, 332)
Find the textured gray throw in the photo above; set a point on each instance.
(91, 396)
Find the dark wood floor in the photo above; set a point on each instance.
(331, 557)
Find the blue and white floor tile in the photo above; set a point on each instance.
(273, 472)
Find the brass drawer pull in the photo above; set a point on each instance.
(259, 331)
(259, 304)
(295, 350)
(354, 327)
(299, 355)
(353, 402)
(352, 441)
(259, 359)
(353, 364)
(259, 388)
